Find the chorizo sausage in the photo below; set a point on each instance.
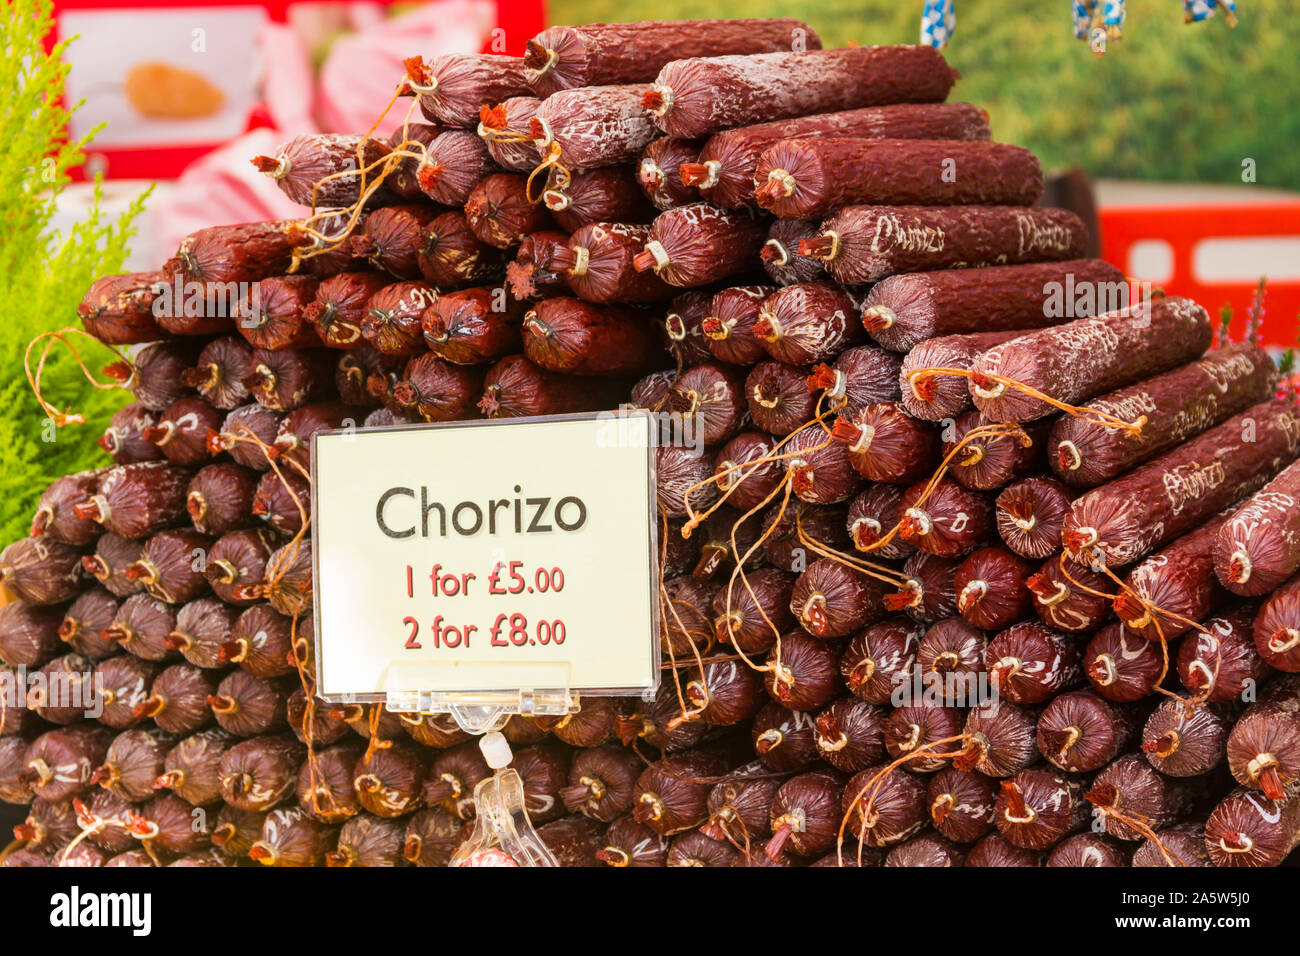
(696, 96)
(809, 178)
(1131, 785)
(500, 213)
(808, 323)
(951, 522)
(780, 254)
(753, 620)
(1248, 829)
(860, 376)
(530, 274)
(322, 170)
(1187, 742)
(393, 236)
(1126, 518)
(880, 658)
(515, 388)
(569, 335)
(884, 443)
(1000, 739)
(698, 244)
(1177, 405)
(1030, 514)
(951, 660)
(1064, 597)
(1264, 745)
(437, 390)
(991, 592)
(473, 326)
(607, 194)
(867, 243)
(1029, 663)
(684, 328)
(597, 54)
(593, 126)
(872, 514)
(452, 165)
(931, 592)
(133, 501)
(991, 461)
(1177, 581)
(1218, 662)
(453, 87)
(217, 375)
(903, 311)
(1086, 357)
(724, 172)
(273, 315)
(501, 128)
(848, 734)
(1258, 547)
(340, 305)
(935, 396)
(1277, 627)
(1080, 731)
(740, 473)
(728, 326)
(401, 180)
(597, 264)
(1184, 845)
(1120, 668)
(659, 174)
(1038, 807)
(123, 438)
(453, 256)
(118, 309)
(711, 401)
(833, 600)
(887, 813)
(240, 253)
(779, 401)
(392, 321)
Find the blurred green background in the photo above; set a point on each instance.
(1170, 101)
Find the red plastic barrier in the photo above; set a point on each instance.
(1185, 227)
(516, 22)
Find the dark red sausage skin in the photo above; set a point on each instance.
(804, 179)
(1088, 356)
(724, 172)
(903, 311)
(1177, 405)
(698, 96)
(867, 243)
(598, 54)
(1258, 547)
(1154, 503)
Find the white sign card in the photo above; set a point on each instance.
(483, 553)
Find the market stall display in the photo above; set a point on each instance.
(900, 497)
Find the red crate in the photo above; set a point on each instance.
(1184, 227)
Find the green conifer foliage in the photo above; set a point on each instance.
(44, 273)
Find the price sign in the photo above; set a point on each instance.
(479, 555)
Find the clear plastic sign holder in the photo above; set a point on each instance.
(480, 712)
(503, 834)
